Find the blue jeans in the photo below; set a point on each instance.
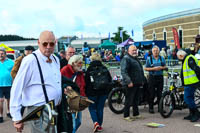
(189, 96)
(96, 109)
(169, 60)
(76, 121)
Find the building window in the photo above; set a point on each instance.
(154, 35)
(144, 37)
(164, 34)
(180, 32)
(199, 30)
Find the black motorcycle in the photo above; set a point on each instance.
(116, 97)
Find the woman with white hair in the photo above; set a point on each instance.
(73, 70)
(97, 88)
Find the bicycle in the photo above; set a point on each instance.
(173, 98)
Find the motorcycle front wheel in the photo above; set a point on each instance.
(116, 100)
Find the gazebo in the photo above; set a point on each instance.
(107, 45)
(125, 43)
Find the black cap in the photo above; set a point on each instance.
(30, 48)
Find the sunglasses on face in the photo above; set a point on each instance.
(51, 44)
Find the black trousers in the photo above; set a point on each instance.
(132, 99)
(155, 89)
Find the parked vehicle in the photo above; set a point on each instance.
(116, 97)
(12, 54)
(173, 98)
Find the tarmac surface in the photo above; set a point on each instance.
(114, 123)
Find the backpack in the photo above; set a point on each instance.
(99, 77)
(151, 61)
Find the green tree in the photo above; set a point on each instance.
(117, 38)
(13, 38)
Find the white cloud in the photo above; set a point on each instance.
(29, 17)
(9, 28)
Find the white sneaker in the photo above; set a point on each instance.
(128, 119)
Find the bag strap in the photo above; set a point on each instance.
(42, 79)
(54, 58)
(73, 78)
(151, 60)
(161, 62)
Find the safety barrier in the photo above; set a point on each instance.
(171, 62)
(115, 70)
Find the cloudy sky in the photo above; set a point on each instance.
(90, 18)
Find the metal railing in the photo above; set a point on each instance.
(173, 65)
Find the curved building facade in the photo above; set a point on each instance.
(187, 24)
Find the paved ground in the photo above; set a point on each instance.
(7, 125)
(115, 124)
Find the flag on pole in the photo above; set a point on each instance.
(109, 35)
(121, 33)
(132, 32)
(176, 38)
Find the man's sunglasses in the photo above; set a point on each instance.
(45, 44)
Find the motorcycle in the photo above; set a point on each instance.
(116, 97)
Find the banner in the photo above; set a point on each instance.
(121, 33)
(176, 38)
(109, 36)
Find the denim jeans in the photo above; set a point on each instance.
(76, 121)
(169, 60)
(189, 96)
(96, 109)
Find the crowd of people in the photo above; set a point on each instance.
(37, 76)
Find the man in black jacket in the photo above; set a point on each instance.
(133, 77)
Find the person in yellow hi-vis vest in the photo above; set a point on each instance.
(190, 74)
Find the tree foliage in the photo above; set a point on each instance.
(13, 38)
(117, 38)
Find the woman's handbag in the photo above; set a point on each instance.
(76, 102)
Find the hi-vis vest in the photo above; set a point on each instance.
(189, 75)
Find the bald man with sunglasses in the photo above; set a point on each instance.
(27, 87)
